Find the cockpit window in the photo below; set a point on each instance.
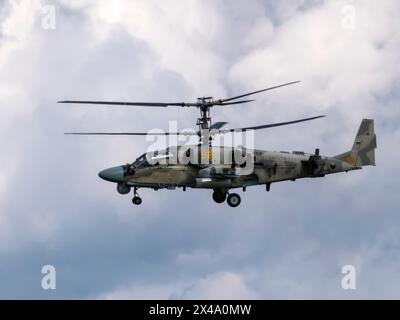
(152, 159)
(141, 162)
(159, 157)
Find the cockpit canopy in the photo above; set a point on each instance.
(141, 162)
(152, 159)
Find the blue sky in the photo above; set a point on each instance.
(289, 243)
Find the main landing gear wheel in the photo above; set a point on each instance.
(219, 197)
(136, 199)
(234, 200)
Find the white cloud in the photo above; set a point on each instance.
(341, 69)
(224, 285)
(139, 293)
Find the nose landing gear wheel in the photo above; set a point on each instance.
(137, 200)
(234, 200)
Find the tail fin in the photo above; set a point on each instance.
(363, 151)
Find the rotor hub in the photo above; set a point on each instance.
(204, 104)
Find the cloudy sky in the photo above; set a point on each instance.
(289, 243)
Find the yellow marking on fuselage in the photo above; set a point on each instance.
(208, 154)
(351, 160)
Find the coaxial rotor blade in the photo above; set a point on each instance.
(141, 104)
(217, 103)
(265, 126)
(153, 104)
(258, 91)
(188, 133)
(218, 125)
(192, 133)
(221, 102)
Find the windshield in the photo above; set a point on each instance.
(141, 162)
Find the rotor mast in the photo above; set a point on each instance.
(204, 104)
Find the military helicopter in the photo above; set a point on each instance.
(223, 168)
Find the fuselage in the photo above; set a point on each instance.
(224, 168)
(220, 168)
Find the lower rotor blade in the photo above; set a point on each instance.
(218, 125)
(265, 126)
(132, 133)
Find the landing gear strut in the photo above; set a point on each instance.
(136, 199)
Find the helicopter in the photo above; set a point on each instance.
(224, 168)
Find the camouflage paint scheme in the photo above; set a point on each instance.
(221, 174)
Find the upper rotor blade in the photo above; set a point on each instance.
(221, 102)
(151, 104)
(141, 104)
(265, 126)
(188, 133)
(218, 103)
(258, 91)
